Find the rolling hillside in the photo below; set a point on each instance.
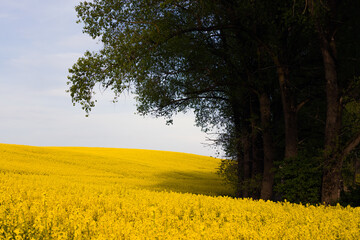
(149, 169)
(99, 193)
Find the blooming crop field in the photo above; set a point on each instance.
(99, 193)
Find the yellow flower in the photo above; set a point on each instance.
(91, 193)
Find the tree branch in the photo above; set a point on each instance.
(351, 145)
(207, 90)
(178, 102)
(300, 105)
(250, 33)
(197, 97)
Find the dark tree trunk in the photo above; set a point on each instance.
(257, 162)
(256, 150)
(333, 160)
(269, 153)
(242, 129)
(240, 161)
(289, 110)
(331, 180)
(246, 145)
(333, 155)
(236, 111)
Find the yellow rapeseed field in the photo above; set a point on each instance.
(99, 193)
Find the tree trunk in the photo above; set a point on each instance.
(331, 180)
(256, 150)
(242, 144)
(333, 160)
(238, 144)
(246, 145)
(269, 153)
(240, 161)
(257, 162)
(290, 111)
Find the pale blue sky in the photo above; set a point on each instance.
(39, 41)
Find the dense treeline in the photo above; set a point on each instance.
(278, 80)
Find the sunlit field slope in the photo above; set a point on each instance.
(97, 193)
(153, 170)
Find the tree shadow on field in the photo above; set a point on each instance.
(195, 182)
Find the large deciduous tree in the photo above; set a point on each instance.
(176, 55)
(331, 18)
(234, 63)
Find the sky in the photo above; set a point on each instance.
(39, 41)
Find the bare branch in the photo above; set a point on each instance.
(352, 144)
(300, 105)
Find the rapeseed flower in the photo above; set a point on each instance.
(80, 193)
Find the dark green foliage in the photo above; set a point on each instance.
(351, 197)
(228, 171)
(351, 172)
(298, 179)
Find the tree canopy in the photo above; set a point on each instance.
(278, 79)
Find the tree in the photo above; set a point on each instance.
(176, 56)
(249, 68)
(179, 55)
(328, 17)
